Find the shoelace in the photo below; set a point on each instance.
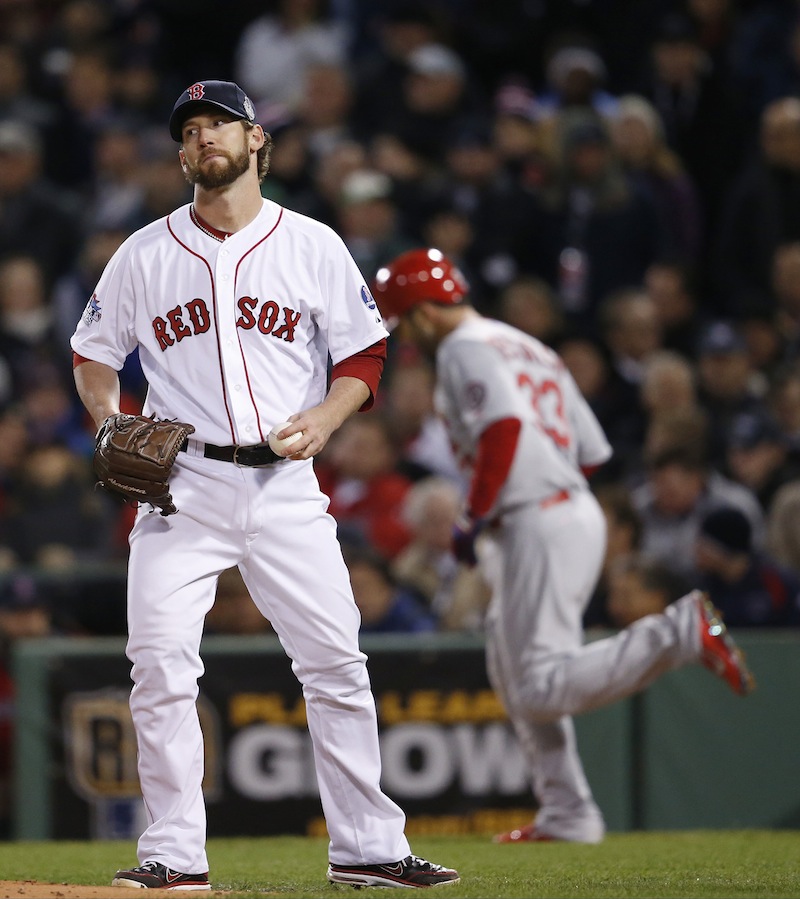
(417, 862)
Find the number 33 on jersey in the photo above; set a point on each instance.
(489, 371)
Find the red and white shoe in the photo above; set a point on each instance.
(719, 652)
(525, 834)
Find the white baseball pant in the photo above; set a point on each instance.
(543, 562)
(272, 523)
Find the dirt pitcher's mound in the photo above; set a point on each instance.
(32, 889)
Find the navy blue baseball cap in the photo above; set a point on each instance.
(222, 94)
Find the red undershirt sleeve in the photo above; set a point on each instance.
(496, 448)
(78, 360)
(367, 366)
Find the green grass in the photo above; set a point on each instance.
(665, 864)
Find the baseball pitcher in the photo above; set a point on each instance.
(237, 305)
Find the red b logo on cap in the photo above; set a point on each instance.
(196, 91)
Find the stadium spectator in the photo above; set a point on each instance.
(291, 181)
(639, 586)
(14, 445)
(386, 607)
(760, 213)
(329, 174)
(679, 490)
(758, 456)
(449, 226)
(670, 284)
(530, 304)
(765, 51)
(668, 384)
(358, 471)
(699, 110)
(275, 50)
(234, 611)
(38, 218)
(638, 135)
(783, 402)
(86, 107)
(591, 231)
(418, 434)
(458, 596)
(749, 587)
(324, 108)
(727, 384)
(631, 332)
(163, 185)
(26, 319)
(785, 293)
(783, 526)
(438, 95)
(54, 518)
(18, 102)
(686, 425)
(51, 413)
(521, 139)
(716, 23)
(368, 220)
(575, 76)
(668, 396)
(115, 196)
(396, 31)
(473, 184)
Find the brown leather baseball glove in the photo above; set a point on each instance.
(134, 456)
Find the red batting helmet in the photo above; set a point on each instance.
(414, 277)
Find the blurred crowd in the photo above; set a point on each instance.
(619, 178)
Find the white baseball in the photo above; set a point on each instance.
(280, 446)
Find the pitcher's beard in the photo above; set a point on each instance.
(220, 175)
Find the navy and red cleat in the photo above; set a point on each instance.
(409, 872)
(719, 652)
(525, 834)
(155, 876)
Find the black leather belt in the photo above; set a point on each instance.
(249, 456)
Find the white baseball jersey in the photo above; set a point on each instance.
(233, 336)
(488, 371)
(543, 556)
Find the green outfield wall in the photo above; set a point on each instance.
(684, 754)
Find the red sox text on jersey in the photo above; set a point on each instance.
(194, 318)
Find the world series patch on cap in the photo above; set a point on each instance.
(222, 94)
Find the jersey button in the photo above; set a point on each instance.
(237, 386)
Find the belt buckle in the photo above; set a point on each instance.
(236, 456)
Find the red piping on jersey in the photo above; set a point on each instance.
(496, 448)
(238, 330)
(216, 323)
(367, 366)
